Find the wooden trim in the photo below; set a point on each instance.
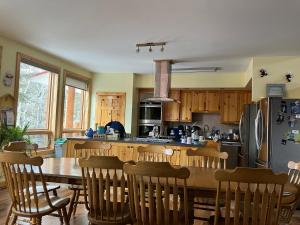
(86, 103)
(111, 94)
(73, 130)
(1, 49)
(33, 132)
(20, 56)
(47, 66)
(77, 76)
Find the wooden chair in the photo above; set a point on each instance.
(256, 193)
(85, 150)
(155, 153)
(22, 176)
(206, 157)
(288, 210)
(104, 184)
(150, 186)
(22, 146)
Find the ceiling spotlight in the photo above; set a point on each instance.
(150, 45)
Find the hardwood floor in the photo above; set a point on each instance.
(81, 214)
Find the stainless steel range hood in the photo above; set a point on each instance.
(162, 81)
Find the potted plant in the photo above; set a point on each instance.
(9, 134)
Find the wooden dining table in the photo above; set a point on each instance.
(201, 181)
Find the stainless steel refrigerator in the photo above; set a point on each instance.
(277, 127)
(248, 151)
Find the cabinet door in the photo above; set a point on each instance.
(109, 107)
(229, 109)
(186, 106)
(198, 101)
(212, 101)
(171, 109)
(244, 98)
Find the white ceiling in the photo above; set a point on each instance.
(101, 35)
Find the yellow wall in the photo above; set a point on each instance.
(276, 67)
(248, 73)
(197, 80)
(9, 53)
(8, 65)
(114, 82)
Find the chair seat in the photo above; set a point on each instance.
(44, 208)
(74, 187)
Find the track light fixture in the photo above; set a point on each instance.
(150, 45)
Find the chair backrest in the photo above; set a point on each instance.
(90, 148)
(294, 172)
(256, 193)
(22, 175)
(20, 146)
(150, 186)
(207, 157)
(155, 153)
(104, 183)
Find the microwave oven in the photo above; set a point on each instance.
(150, 113)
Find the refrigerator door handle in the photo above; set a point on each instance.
(240, 128)
(262, 129)
(256, 130)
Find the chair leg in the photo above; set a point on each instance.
(14, 220)
(72, 204)
(39, 221)
(76, 202)
(8, 215)
(65, 215)
(58, 211)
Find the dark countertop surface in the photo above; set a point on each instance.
(133, 140)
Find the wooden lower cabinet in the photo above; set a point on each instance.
(128, 151)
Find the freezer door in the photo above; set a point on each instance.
(280, 154)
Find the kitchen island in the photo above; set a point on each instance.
(126, 148)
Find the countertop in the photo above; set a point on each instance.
(133, 141)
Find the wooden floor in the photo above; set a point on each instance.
(81, 215)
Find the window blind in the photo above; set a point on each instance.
(76, 83)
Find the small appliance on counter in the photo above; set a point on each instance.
(115, 128)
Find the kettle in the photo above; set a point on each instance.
(89, 133)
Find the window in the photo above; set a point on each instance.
(75, 105)
(36, 85)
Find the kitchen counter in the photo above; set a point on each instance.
(134, 140)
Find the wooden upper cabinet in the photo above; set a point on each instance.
(245, 97)
(206, 101)
(172, 109)
(212, 101)
(199, 101)
(109, 107)
(186, 106)
(233, 105)
(229, 107)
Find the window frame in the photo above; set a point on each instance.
(52, 95)
(85, 106)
